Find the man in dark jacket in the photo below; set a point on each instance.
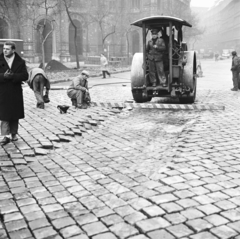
(155, 52)
(78, 91)
(13, 72)
(235, 71)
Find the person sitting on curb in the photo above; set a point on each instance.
(104, 66)
(37, 81)
(78, 91)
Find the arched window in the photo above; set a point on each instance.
(79, 38)
(43, 28)
(135, 42)
(3, 29)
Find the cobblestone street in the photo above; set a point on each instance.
(106, 173)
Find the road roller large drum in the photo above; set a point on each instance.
(180, 65)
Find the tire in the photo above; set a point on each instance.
(190, 99)
(139, 98)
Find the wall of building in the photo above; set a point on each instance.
(124, 42)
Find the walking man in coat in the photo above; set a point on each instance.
(235, 71)
(104, 66)
(37, 81)
(13, 72)
(155, 52)
(78, 91)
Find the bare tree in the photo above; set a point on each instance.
(67, 6)
(105, 16)
(41, 9)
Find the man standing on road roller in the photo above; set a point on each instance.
(155, 52)
(235, 71)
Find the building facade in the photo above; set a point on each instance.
(222, 26)
(102, 25)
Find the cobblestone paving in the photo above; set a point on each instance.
(108, 174)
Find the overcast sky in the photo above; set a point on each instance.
(202, 3)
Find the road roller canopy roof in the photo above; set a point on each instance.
(158, 21)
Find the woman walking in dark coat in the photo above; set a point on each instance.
(13, 72)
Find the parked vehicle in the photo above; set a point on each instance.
(226, 53)
(180, 64)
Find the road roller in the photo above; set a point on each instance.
(179, 64)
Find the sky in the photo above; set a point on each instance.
(202, 3)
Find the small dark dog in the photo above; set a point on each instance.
(63, 108)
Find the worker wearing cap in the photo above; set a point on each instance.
(78, 91)
(235, 71)
(155, 51)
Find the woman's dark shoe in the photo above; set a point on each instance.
(5, 141)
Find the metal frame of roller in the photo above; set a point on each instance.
(181, 64)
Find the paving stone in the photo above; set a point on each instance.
(225, 205)
(85, 219)
(232, 215)
(94, 228)
(223, 232)
(192, 213)
(15, 225)
(71, 231)
(175, 218)
(39, 151)
(204, 199)
(180, 230)
(123, 230)
(172, 180)
(216, 220)
(139, 203)
(160, 234)
(34, 215)
(44, 232)
(203, 235)
(63, 222)
(107, 235)
(235, 226)
(23, 233)
(52, 208)
(39, 223)
(163, 198)
(103, 211)
(12, 217)
(134, 217)
(209, 209)
(124, 211)
(171, 207)
(153, 211)
(199, 225)
(111, 219)
(152, 224)
(57, 214)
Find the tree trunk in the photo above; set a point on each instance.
(43, 56)
(76, 47)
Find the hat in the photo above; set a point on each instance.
(234, 53)
(84, 72)
(154, 31)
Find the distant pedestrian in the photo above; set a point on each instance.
(199, 69)
(104, 66)
(37, 81)
(13, 72)
(78, 91)
(235, 71)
